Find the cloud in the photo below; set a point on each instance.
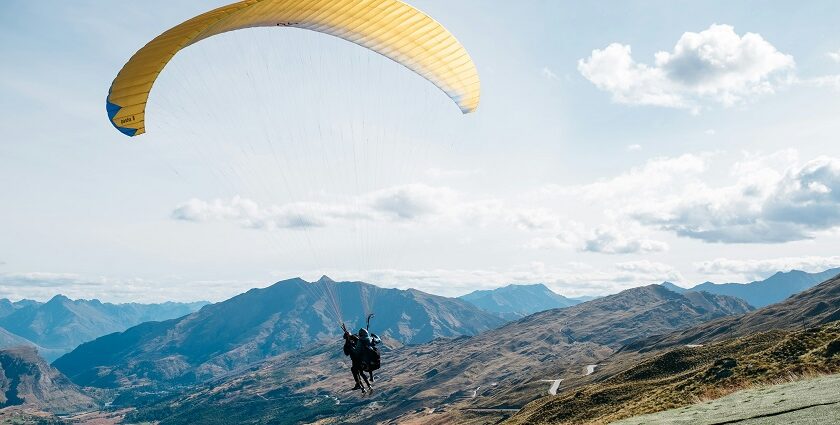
(634, 147)
(835, 56)
(715, 65)
(606, 240)
(765, 198)
(404, 204)
(570, 279)
(614, 70)
(761, 269)
(808, 195)
(536, 219)
(45, 285)
(400, 203)
(412, 201)
(657, 176)
(765, 205)
(46, 280)
(418, 203)
(829, 81)
(249, 214)
(547, 73)
(647, 267)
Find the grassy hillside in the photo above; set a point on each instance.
(807, 401)
(685, 375)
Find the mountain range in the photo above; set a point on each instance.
(266, 322)
(61, 324)
(57, 326)
(517, 301)
(507, 363)
(764, 292)
(815, 306)
(473, 358)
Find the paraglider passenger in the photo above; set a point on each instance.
(366, 347)
(350, 343)
(364, 355)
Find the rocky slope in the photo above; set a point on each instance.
(26, 379)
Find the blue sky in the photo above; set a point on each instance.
(616, 145)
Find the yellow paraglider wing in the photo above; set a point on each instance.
(389, 27)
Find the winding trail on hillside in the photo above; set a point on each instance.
(488, 410)
(555, 384)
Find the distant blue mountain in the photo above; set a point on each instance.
(515, 301)
(674, 287)
(761, 293)
(585, 298)
(60, 324)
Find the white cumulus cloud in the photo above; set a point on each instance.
(548, 74)
(715, 65)
(770, 198)
(607, 240)
(764, 205)
(403, 204)
(250, 214)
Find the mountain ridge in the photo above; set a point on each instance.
(760, 293)
(61, 324)
(817, 305)
(265, 322)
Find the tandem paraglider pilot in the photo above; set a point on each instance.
(364, 355)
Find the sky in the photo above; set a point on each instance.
(617, 144)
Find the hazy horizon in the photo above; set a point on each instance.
(686, 285)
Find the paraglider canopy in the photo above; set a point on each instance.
(388, 27)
